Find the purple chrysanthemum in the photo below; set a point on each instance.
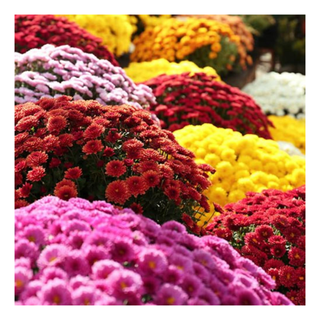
(192, 285)
(122, 250)
(247, 297)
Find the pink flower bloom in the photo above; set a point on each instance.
(191, 284)
(122, 250)
(34, 234)
(27, 249)
(152, 261)
(170, 294)
(85, 295)
(22, 276)
(55, 292)
(124, 282)
(102, 269)
(52, 255)
(51, 272)
(76, 264)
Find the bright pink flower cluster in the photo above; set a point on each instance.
(115, 153)
(34, 31)
(269, 228)
(80, 253)
(183, 99)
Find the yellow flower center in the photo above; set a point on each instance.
(52, 259)
(297, 256)
(123, 285)
(56, 299)
(152, 264)
(31, 239)
(19, 283)
(170, 300)
(86, 301)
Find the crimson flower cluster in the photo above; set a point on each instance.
(186, 98)
(269, 229)
(81, 148)
(34, 31)
(81, 253)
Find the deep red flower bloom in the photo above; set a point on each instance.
(151, 178)
(56, 124)
(108, 152)
(278, 250)
(136, 207)
(73, 173)
(287, 276)
(36, 158)
(296, 256)
(25, 190)
(66, 192)
(93, 131)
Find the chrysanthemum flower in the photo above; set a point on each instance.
(170, 294)
(152, 261)
(92, 147)
(73, 173)
(52, 255)
(55, 292)
(136, 185)
(115, 168)
(287, 276)
(65, 192)
(151, 178)
(117, 191)
(36, 158)
(36, 174)
(296, 256)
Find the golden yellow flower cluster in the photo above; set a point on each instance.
(142, 71)
(115, 30)
(174, 39)
(289, 129)
(243, 163)
(239, 29)
(149, 21)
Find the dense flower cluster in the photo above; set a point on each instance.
(34, 31)
(243, 163)
(198, 98)
(269, 228)
(115, 30)
(279, 93)
(80, 253)
(81, 148)
(240, 29)
(289, 129)
(203, 41)
(142, 71)
(54, 71)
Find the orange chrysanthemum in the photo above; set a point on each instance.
(66, 192)
(136, 185)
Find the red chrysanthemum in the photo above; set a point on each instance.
(287, 276)
(278, 250)
(50, 142)
(55, 162)
(117, 191)
(253, 239)
(296, 257)
(25, 190)
(26, 123)
(34, 159)
(301, 277)
(20, 203)
(276, 239)
(151, 178)
(172, 192)
(108, 152)
(264, 231)
(92, 146)
(93, 131)
(73, 173)
(147, 165)
(292, 234)
(136, 185)
(36, 174)
(56, 124)
(66, 140)
(273, 264)
(136, 207)
(115, 168)
(66, 192)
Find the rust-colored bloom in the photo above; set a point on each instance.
(36, 174)
(73, 173)
(56, 124)
(66, 192)
(117, 191)
(93, 131)
(36, 158)
(92, 146)
(136, 185)
(115, 168)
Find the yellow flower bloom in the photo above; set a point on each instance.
(114, 30)
(143, 71)
(262, 166)
(289, 129)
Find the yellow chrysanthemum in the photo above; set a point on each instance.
(115, 30)
(256, 165)
(289, 129)
(142, 71)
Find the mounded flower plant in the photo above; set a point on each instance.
(80, 253)
(54, 71)
(115, 153)
(187, 98)
(269, 229)
(34, 31)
